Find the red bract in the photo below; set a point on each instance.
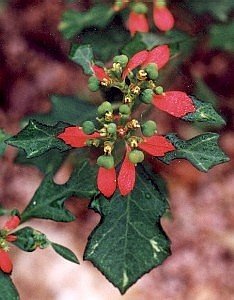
(163, 19)
(127, 176)
(175, 103)
(106, 181)
(5, 262)
(100, 73)
(159, 55)
(12, 223)
(137, 22)
(75, 136)
(156, 145)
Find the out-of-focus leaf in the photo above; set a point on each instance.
(148, 41)
(73, 22)
(106, 43)
(7, 289)
(218, 9)
(67, 109)
(202, 91)
(222, 36)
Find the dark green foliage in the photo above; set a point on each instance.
(7, 288)
(129, 240)
(202, 151)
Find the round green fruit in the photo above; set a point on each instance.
(111, 128)
(93, 84)
(106, 161)
(148, 128)
(88, 127)
(124, 109)
(152, 71)
(140, 8)
(104, 107)
(159, 90)
(146, 96)
(136, 156)
(121, 59)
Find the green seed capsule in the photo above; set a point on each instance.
(124, 109)
(148, 128)
(140, 8)
(104, 107)
(147, 96)
(111, 128)
(106, 161)
(88, 127)
(159, 90)
(152, 71)
(121, 59)
(93, 84)
(136, 156)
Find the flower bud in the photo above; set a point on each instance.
(124, 109)
(148, 128)
(159, 90)
(146, 96)
(104, 108)
(111, 128)
(93, 84)
(136, 156)
(121, 59)
(106, 161)
(152, 71)
(140, 8)
(88, 127)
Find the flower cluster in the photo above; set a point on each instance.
(5, 238)
(137, 20)
(115, 127)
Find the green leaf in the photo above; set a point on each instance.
(218, 9)
(74, 22)
(148, 41)
(129, 240)
(64, 108)
(36, 138)
(28, 239)
(106, 43)
(204, 113)
(83, 56)
(65, 252)
(48, 200)
(67, 109)
(49, 162)
(202, 151)
(7, 288)
(203, 91)
(3, 137)
(222, 36)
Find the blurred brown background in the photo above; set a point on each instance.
(34, 65)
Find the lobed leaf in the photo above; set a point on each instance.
(204, 113)
(48, 200)
(129, 240)
(7, 289)
(37, 138)
(83, 56)
(65, 252)
(3, 137)
(202, 151)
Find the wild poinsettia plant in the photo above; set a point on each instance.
(117, 175)
(110, 146)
